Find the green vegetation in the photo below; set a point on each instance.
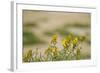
(48, 33)
(31, 25)
(62, 32)
(77, 25)
(71, 50)
(30, 39)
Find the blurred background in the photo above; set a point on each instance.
(40, 26)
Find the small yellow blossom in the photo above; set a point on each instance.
(69, 38)
(54, 50)
(75, 41)
(65, 43)
(54, 39)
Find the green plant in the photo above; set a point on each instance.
(30, 39)
(71, 50)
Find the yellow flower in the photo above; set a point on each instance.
(54, 50)
(54, 39)
(75, 41)
(69, 38)
(65, 43)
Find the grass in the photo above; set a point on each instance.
(78, 25)
(49, 33)
(63, 32)
(32, 24)
(30, 39)
(60, 31)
